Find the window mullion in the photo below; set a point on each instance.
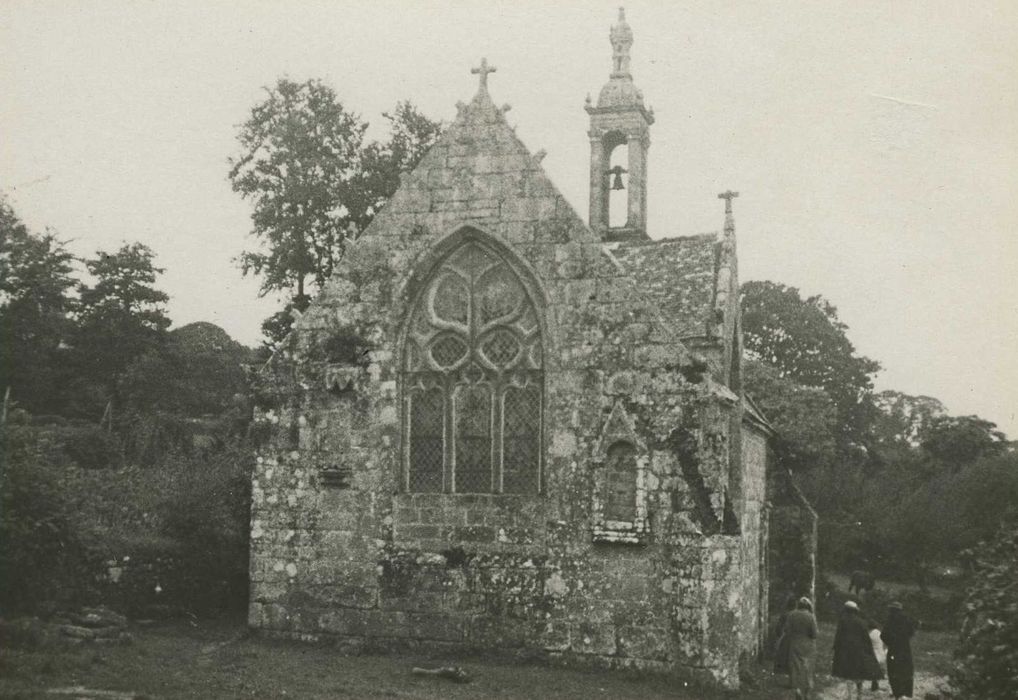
(497, 436)
(448, 435)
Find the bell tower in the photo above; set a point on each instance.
(619, 141)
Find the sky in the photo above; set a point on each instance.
(874, 144)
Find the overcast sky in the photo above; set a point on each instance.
(874, 144)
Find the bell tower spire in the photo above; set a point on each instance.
(622, 40)
(620, 125)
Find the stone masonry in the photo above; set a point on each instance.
(492, 431)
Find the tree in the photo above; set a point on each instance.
(804, 418)
(411, 135)
(806, 341)
(956, 441)
(300, 163)
(121, 316)
(35, 300)
(315, 185)
(902, 418)
(198, 371)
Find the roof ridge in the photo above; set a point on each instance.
(709, 236)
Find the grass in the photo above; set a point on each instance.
(219, 659)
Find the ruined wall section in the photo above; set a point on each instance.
(339, 549)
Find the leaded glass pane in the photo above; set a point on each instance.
(448, 350)
(452, 299)
(427, 420)
(499, 295)
(621, 481)
(500, 348)
(471, 258)
(521, 439)
(473, 439)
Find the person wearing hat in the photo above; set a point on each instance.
(801, 633)
(854, 659)
(897, 636)
(781, 648)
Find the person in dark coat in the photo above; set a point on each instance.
(897, 637)
(801, 631)
(854, 659)
(781, 648)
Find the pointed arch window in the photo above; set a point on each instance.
(472, 373)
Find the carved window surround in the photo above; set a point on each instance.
(620, 465)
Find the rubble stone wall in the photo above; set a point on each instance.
(341, 550)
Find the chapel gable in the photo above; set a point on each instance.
(500, 428)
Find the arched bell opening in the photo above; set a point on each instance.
(617, 148)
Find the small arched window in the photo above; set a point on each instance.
(472, 375)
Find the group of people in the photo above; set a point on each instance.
(859, 648)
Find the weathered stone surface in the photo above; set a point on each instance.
(652, 562)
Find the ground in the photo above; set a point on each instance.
(223, 660)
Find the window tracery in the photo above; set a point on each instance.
(473, 379)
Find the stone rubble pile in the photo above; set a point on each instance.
(99, 625)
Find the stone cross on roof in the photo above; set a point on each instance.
(483, 71)
(728, 197)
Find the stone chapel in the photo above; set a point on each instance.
(502, 428)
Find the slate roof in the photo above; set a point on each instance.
(678, 275)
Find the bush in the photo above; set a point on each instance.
(206, 511)
(41, 553)
(134, 537)
(988, 654)
(90, 446)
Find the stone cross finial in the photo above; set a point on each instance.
(728, 197)
(483, 71)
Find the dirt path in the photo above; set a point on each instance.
(924, 683)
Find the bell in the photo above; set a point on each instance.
(617, 181)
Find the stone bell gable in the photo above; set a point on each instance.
(488, 433)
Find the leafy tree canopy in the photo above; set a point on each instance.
(199, 371)
(804, 417)
(121, 315)
(315, 184)
(35, 271)
(806, 341)
(300, 164)
(35, 285)
(902, 418)
(955, 441)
